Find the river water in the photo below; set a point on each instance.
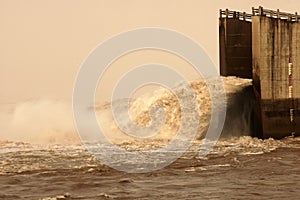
(238, 166)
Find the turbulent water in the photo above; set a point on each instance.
(238, 167)
(241, 167)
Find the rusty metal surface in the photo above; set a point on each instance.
(235, 39)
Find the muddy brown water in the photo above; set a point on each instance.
(237, 168)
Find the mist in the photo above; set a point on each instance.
(42, 121)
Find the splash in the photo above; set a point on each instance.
(240, 105)
(50, 122)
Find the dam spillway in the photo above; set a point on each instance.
(265, 46)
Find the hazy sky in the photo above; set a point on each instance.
(44, 42)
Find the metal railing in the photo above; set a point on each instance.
(260, 11)
(275, 14)
(234, 14)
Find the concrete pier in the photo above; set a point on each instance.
(275, 71)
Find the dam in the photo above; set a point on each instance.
(265, 46)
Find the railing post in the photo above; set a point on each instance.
(261, 11)
(234, 14)
(226, 13)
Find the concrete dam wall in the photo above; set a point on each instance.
(274, 66)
